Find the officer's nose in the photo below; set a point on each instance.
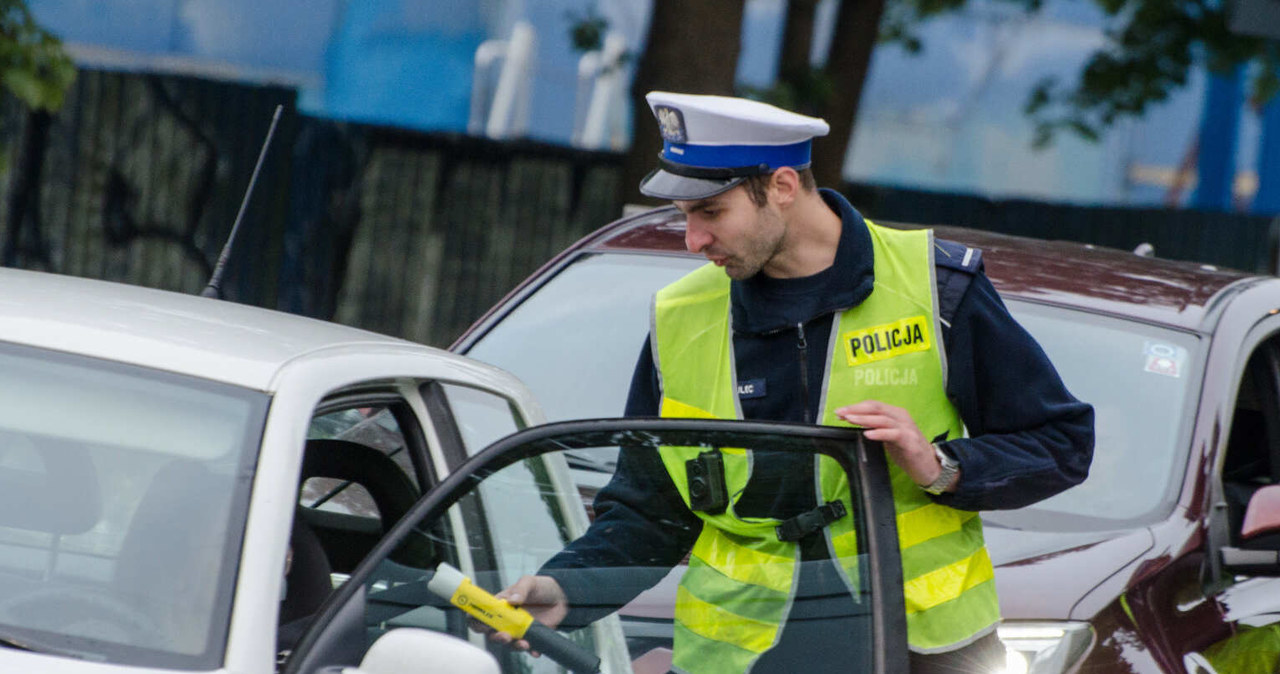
(696, 237)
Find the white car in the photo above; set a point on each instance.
(194, 485)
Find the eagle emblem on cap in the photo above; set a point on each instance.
(671, 124)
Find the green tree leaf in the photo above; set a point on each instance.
(33, 65)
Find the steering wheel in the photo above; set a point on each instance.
(80, 611)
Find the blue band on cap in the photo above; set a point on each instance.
(730, 156)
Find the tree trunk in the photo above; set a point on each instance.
(24, 242)
(797, 42)
(692, 48)
(857, 28)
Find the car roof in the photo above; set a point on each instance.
(186, 334)
(1093, 278)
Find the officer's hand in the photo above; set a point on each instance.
(903, 440)
(542, 597)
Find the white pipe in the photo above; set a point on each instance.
(511, 80)
(588, 69)
(608, 88)
(487, 54)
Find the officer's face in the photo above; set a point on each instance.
(731, 231)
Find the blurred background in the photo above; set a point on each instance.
(432, 153)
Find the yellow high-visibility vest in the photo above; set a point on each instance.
(735, 593)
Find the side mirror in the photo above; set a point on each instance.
(410, 649)
(1262, 516)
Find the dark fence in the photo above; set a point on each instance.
(139, 178)
(1232, 240)
(417, 235)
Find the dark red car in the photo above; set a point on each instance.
(1151, 565)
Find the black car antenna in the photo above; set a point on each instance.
(214, 289)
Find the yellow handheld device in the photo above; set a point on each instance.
(449, 583)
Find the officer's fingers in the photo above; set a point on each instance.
(518, 591)
(511, 642)
(892, 411)
(862, 407)
(892, 436)
(869, 420)
(902, 432)
(868, 408)
(494, 635)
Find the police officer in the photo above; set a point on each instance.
(925, 358)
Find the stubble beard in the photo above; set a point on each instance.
(758, 250)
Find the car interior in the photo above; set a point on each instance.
(1253, 449)
(365, 464)
(182, 503)
(350, 494)
(117, 547)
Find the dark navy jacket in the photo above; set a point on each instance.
(1029, 437)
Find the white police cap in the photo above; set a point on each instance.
(711, 143)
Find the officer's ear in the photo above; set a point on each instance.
(784, 186)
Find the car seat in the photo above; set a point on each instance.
(346, 538)
(173, 563)
(307, 584)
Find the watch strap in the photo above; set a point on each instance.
(950, 469)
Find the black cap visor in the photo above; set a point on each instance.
(661, 184)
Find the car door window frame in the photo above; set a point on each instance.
(452, 447)
(869, 467)
(454, 450)
(1263, 336)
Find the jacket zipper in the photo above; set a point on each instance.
(802, 353)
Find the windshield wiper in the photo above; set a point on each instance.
(22, 643)
(585, 461)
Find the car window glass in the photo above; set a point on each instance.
(357, 480)
(590, 319)
(1140, 380)
(481, 417)
(625, 607)
(593, 317)
(374, 426)
(123, 493)
(1252, 456)
(514, 521)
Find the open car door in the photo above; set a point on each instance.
(514, 506)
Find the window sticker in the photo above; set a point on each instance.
(1165, 359)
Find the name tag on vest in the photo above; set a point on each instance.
(752, 388)
(889, 340)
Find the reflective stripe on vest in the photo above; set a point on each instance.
(888, 348)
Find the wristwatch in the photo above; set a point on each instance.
(950, 469)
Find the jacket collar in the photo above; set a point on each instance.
(762, 304)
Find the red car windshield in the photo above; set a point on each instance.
(575, 340)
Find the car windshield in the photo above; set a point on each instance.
(1137, 377)
(592, 318)
(123, 494)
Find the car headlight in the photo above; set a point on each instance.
(1044, 647)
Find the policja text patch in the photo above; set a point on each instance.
(908, 335)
